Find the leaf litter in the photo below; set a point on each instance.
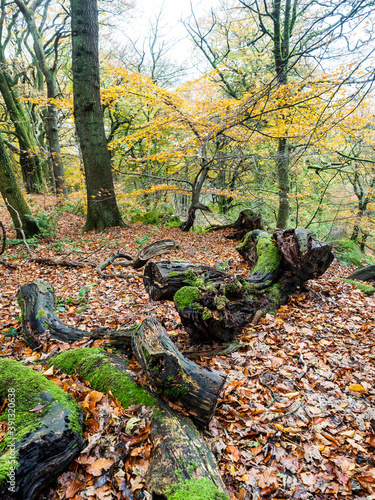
(296, 418)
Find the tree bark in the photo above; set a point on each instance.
(102, 210)
(13, 197)
(194, 387)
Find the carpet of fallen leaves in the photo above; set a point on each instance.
(296, 418)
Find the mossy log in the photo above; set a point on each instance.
(37, 301)
(365, 274)
(197, 389)
(44, 432)
(162, 279)
(280, 264)
(180, 455)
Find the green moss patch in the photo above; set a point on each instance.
(187, 296)
(101, 371)
(348, 253)
(195, 489)
(268, 255)
(30, 388)
(366, 289)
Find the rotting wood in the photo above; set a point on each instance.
(148, 252)
(196, 388)
(162, 279)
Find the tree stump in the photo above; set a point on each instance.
(162, 279)
(197, 389)
(46, 434)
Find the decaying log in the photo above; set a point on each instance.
(218, 309)
(49, 437)
(194, 387)
(162, 279)
(365, 274)
(148, 252)
(247, 221)
(37, 301)
(180, 454)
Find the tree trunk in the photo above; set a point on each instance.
(29, 159)
(365, 274)
(194, 387)
(13, 197)
(49, 438)
(282, 167)
(102, 210)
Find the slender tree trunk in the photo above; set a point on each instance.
(29, 159)
(13, 197)
(282, 166)
(102, 210)
(50, 78)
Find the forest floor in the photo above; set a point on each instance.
(296, 418)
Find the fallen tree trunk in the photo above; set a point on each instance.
(180, 455)
(162, 279)
(44, 431)
(176, 377)
(37, 301)
(219, 309)
(148, 252)
(194, 387)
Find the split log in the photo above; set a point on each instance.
(365, 274)
(37, 301)
(282, 263)
(46, 435)
(148, 252)
(180, 455)
(162, 279)
(197, 389)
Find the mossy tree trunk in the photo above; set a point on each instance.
(13, 197)
(41, 444)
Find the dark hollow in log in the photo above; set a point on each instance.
(282, 263)
(37, 301)
(49, 437)
(162, 279)
(176, 377)
(365, 274)
(180, 453)
(148, 252)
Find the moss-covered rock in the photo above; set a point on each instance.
(195, 489)
(104, 372)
